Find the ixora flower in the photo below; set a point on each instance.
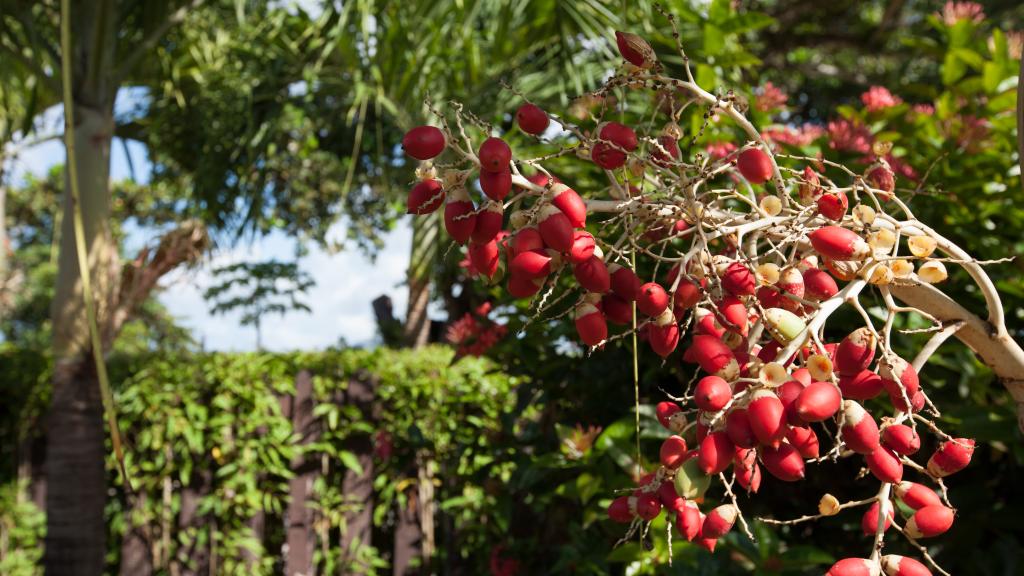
(771, 98)
(849, 136)
(879, 98)
(954, 12)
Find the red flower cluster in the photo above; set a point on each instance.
(879, 98)
(474, 334)
(771, 98)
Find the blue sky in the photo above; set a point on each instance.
(346, 282)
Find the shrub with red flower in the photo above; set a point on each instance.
(501, 566)
(954, 12)
(879, 98)
(771, 98)
(849, 136)
(474, 334)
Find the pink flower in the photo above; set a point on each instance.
(954, 12)
(901, 168)
(771, 98)
(879, 98)
(849, 136)
(923, 109)
(801, 136)
(720, 149)
(474, 337)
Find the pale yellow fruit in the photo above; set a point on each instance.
(828, 505)
(932, 272)
(863, 214)
(768, 273)
(921, 246)
(820, 367)
(771, 205)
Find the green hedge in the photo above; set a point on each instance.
(213, 423)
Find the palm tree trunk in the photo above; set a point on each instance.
(76, 491)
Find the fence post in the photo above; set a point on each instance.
(301, 536)
(358, 486)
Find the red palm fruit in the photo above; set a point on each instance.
(803, 376)
(788, 392)
(625, 282)
(527, 240)
(670, 500)
(484, 257)
(663, 337)
(714, 356)
(520, 286)
(423, 142)
(532, 119)
(901, 439)
(738, 280)
(617, 310)
(666, 152)
(687, 295)
(869, 522)
(952, 456)
(459, 216)
(635, 49)
(488, 223)
(746, 470)
(819, 285)
(863, 385)
(929, 521)
(784, 462)
(702, 431)
(619, 134)
(860, 432)
(619, 510)
(767, 417)
(833, 205)
(494, 155)
(673, 452)
(855, 352)
(885, 465)
(607, 156)
(882, 177)
(689, 521)
(899, 378)
(615, 141)
(531, 265)
(791, 281)
(652, 299)
(853, 567)
(810, 188)
(733, 313)
(770, 297)
(590, 324)
(593, 275)
(425, 197)
(839, 243)
(916, 495)
(671, 416)
(496, 185)
(737, 427)
(754, 165)
(555, 228)
(712, 394)
(707, 543)
(817, 402)
(569, 202)
(804, 440)
(716, 453)
(893, 565)
(583, 245)
(708, 324)
(917, 402)
(647, 505)
(718, 522)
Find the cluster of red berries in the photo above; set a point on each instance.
(756, 319)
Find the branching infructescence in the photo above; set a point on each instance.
(759, 256)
